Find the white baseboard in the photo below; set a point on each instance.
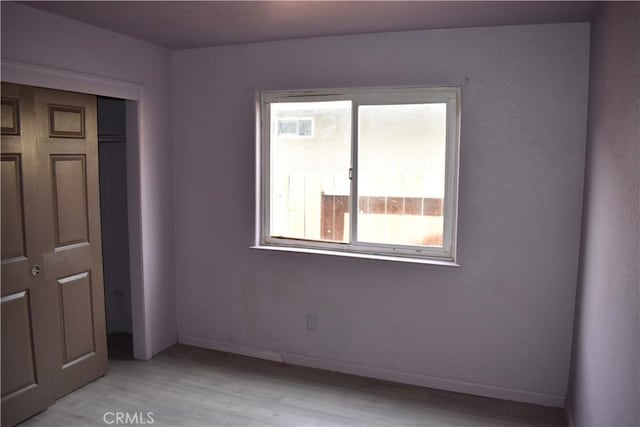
(457, 386)
(230, 347)
(426, 380)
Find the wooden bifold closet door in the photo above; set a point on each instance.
(52, 298)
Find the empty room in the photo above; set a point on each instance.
(310, 213)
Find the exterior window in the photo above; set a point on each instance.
(370, 171)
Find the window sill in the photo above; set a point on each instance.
(357, 255)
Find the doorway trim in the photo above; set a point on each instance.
(133, 94)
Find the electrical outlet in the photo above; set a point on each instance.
(312, 322)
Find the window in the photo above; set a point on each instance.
(368, 171)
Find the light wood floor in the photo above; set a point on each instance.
(188, 386)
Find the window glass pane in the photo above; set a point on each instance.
(287, 127)
(305, 127)
(401, 174)
(309, 185)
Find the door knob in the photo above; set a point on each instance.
(35, 270)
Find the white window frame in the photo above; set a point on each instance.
(361, 96)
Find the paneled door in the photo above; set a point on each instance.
(53, 324)
(26, 303)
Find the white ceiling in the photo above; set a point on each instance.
(188, 24)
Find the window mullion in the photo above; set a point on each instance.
(265, 185)
(353, 217)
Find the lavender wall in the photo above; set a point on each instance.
(605, 385)
(36, 37)
(501, 324)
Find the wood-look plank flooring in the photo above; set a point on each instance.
(188, 386)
